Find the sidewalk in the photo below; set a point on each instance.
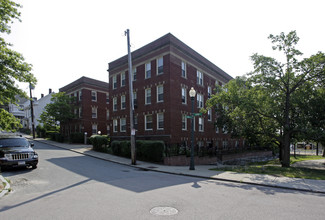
(201, 171)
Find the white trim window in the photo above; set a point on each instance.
(123, 102)
(183, 69)
(123, 124)
(148, 96)
(160, 65)
(134, 74)
(148, 122)
(80, 95)
(94, 112)
(200, 100)
(94, 96)
(199, 78)
(160, 121)
(94, 128)
(209, 92)
(184, 122)
(107, 98)
(114, 84)
(148, 70)
(122, 79)
(201, 124)
(115, 104)
(135, 100)
(160, 93)
(115, 125)
(184, 95)
(210, 115)
(107, 114)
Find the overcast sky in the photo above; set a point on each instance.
(67, 39)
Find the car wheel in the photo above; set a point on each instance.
(34, 166)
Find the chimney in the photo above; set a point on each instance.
(42, 95)
(50, 91)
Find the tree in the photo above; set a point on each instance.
(59, 111)
(270, 105)
(13, 68)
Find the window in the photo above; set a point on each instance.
(160, 121)
(107, 114)
(114, 125)
(108, 129)
(122, 79)
(183, 69)
(94, 96)
(123, 125)
(94, 128)
(209, 92)
(148, 70)
(80, 112)
(135, 100)
(184, 122)
(134, 74)
(225, 144)
(107, 98)
(114, 82)
(199, 78)
(160, 66)
(199, 100)
(184, 95)
(160, 93)
(93, 112)
(210, 115)
(148, 122)
(123, 105)
(148, 96)
(224, 129)
(135, 122)
(80, 95)
(201, 124)
(115, 104)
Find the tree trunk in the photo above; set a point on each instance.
(286, 150)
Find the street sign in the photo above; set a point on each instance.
(197, 114)
(189, 116)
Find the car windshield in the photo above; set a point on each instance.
(13, 142)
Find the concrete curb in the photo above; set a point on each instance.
(7, 186)
(190, 175)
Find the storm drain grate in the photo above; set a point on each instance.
(163, 211)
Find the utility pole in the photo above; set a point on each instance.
(32, 109)
(132, 129)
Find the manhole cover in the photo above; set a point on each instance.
(164, 211)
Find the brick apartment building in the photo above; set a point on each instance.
(163, 73)
(92, 101)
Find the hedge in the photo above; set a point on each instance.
(152, 151)
(100, 142)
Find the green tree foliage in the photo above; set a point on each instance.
(272, 105)
(60, 110)
(13, 68)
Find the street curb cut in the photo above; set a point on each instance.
(7, 186)
(192, 175)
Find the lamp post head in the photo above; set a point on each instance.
(192, 92)
(99, 132)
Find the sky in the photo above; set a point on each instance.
(67, 39)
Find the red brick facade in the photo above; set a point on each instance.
(92, 105)
(173, 127)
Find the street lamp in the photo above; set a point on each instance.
(192, 94)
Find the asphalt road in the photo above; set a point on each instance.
(67, 185)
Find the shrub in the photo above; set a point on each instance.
(100, 142)
(55, 136)
(152, 151)
(77, 137)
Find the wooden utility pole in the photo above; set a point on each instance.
(132, 129)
